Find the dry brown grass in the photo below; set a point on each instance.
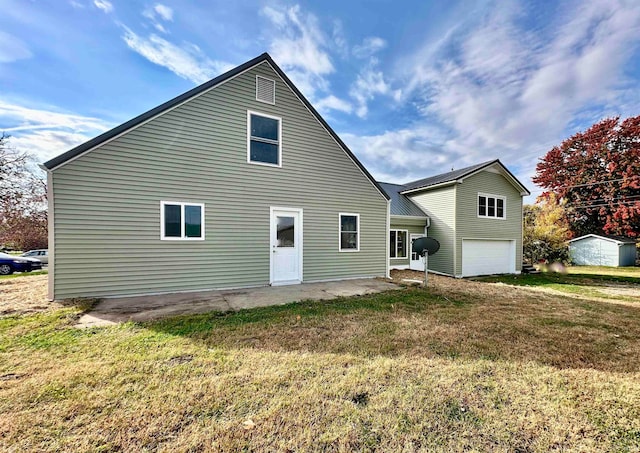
(24, 295)
(461, 366)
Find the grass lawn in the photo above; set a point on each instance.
(633, 271)
(462, 366)
(610, 283)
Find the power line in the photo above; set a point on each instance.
(623, 203)
(587, 184)
(623, 198)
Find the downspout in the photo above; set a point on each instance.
(386, 258)
(455, 232)
(50, 235)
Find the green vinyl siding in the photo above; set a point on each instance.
(107, 201)
(439, 204)
(412, 226)
(470, 226)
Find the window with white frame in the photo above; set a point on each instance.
(181, 221)
(349, 232)
(398, 243)
(264, 142)
(491, 206)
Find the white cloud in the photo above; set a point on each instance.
(163, 11)
(505, 92)
(186, 61)
(369, 83)
(403, 155)
(332, 103)
(339, 39)
(46, 133)
(104, 5)
(158, 13)
(298, 45)
(369, 47)
(12, 48)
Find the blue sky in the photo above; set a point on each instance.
(415, 88)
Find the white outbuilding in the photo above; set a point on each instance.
(596, 250)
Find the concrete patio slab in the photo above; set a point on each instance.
(146, 308)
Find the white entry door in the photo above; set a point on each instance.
(286, 246)
(416, 262)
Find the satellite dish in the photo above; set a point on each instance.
(425, 245)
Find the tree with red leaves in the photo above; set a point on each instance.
(596, 175)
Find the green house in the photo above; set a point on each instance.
(236, 183)
(475, 213)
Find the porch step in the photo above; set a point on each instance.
(529, 269)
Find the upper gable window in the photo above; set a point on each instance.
(491, 206)
(265, 90)
(264, 144)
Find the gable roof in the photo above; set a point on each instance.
(401, 204)
(458, 175)
(616, 239)
(140, 119)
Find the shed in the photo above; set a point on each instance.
(596, 250)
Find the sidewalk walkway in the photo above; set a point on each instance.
(146, 308)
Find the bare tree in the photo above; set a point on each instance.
(23, 209)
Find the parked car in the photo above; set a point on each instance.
(10, 264)
(42, 255)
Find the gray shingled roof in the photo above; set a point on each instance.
(446, 177)
(400, 204)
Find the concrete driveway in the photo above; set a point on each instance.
(146, 308)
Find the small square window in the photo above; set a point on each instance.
(181, 221)
(264, 144)
(349, 232)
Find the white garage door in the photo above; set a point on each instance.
(486, 257)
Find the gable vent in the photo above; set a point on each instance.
(265, 90)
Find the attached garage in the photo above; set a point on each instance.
(596, 250)
(488, 256)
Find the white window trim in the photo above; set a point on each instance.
(182, 232)
(395, 246)
(251, 112)
(489, 195)
(274, 90)
(357, 216)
